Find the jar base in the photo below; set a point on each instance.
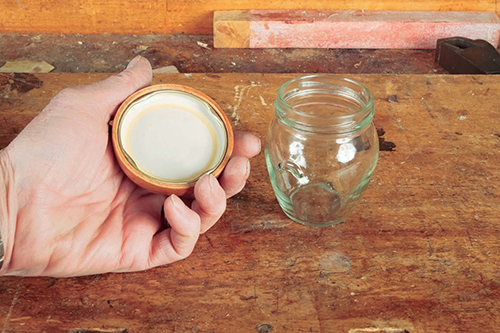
(315, 204)
(309, 224)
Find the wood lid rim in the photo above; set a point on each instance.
(145, 181)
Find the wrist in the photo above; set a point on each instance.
(8, 210)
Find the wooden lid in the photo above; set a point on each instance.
(147, 180)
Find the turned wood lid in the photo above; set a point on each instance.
(171, 109)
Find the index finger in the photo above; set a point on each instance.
(246, 144)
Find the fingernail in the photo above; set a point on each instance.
(173, 200)
(247, 174)
(260, 145)
(211, 180)
(134, 62)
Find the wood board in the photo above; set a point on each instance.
(350, 29)
(420, 254)
(176, 16)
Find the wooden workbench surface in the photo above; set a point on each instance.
(421, 253)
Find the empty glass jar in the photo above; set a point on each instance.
(321, 148)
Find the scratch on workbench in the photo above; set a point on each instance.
(428, 110)
(277, 301)
(441, 198)
(255, 287)
(470, 239)
(400, 127)
(263, 225)
(262, 101)
(95, 279)
(334, 262)
(20, 319)
(14, 301)
(209, 241)
(426, 233)
(275, 224)
(439, 224)
(377, 330)
(183, 8)
(238, 98)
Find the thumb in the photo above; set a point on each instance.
(114, 90)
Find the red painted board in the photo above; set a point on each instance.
(350, 29)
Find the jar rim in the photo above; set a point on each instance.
(347, 122)
(368, 105)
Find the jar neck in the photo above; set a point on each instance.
(324, 104)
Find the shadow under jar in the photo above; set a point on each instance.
(321, 148)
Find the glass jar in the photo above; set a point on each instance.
(321, 148)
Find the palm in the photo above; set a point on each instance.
(108, 221)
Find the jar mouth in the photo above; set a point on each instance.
(323, 102)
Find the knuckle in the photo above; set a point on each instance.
(216, 210)
(185, 253)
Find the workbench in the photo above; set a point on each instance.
(420, 253)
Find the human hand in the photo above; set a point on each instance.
(70, 210)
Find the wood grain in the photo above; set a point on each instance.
(176, 16)
(111, 53)
(232, 29)
(350, 29)
(420, 254)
